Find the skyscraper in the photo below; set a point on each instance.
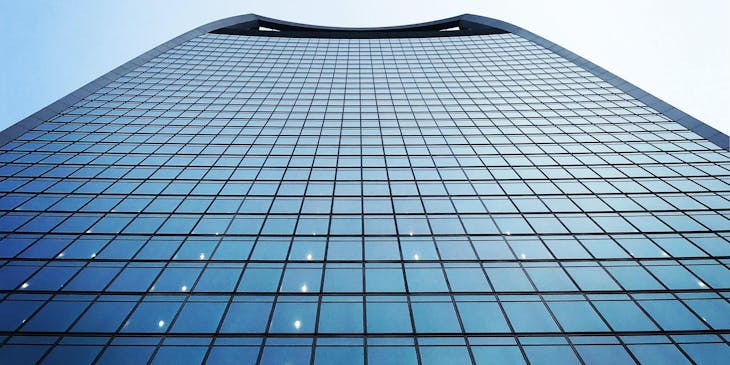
(461, 191)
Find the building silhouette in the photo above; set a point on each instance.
(453, 192)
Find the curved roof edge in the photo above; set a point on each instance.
(693, 124)
(454, 26)
(713, 135)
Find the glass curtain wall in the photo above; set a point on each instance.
(466, 199)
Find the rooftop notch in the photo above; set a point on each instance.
(262, 26)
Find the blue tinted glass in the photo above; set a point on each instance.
(672, 315)
(658, 354)
(624, 316)
(384, 279)
(81, 354)
(604, 354)
(218, 279)
(508, 279)
(497, 355)
(307, 250)
(550, 279)
(482, 317)
(333, 355)
(467, 279)
(134, 279)
(444, 354)
(435, 317)
(529, 317)
(711, 311)
(260, 278)
(634, 278)
(51, 277)
(178, 354)
(104, 316)
(551, 355)
(273, 197)
(384, 250)
(343, 280)
(199, 317)
(592, 278)
(707, 353)
(55, 316)
(418, 250)
(577, 317)
(292, 317)
(15, 312)
(392, 355)
(388, 316)
(246, 317)
(232, 355)
(151, 317)
(118, 355)
(23, 354)
(294, 355)
(425, 279)
(341, 317)
(176, 279)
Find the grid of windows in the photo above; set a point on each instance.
(471, 199)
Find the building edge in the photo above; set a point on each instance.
(61, 104)
(691, 123)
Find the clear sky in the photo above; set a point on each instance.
(678, 50)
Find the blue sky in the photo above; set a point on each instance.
(676, 50)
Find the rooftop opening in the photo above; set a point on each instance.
(265, 29)
(261, 26)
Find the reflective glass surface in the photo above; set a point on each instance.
(467, 199)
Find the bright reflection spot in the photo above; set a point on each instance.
(93, 255)
(297, 324)
(160, 323)
(701, 284)
(416, 257)
(507, 233)
(664, 254)
(184, 288)
(523, 256)
(217, 233)
(88, 231)
(309, 256)
(202, 256)
(25, 285)
(60, 255)
(304, 288)
(410, 233)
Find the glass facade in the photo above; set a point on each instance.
(463, 200)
